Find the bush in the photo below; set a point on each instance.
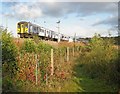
(36, 39)
(45, 52)
(42, 47)
(102, 60)
(9, 50)
(29, 46)
(9, 64)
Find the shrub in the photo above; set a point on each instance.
(9, 64)
(102, 59)
(29, 46)
(42, 47)
(45, 51)
(9, 50)
(36, 39)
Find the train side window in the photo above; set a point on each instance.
(35, 29)
(44, 31)
(39, 29)
(30, 28)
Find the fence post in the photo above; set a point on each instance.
(52, 68)
(67, 54)
(36, 69)
(60, 56)
(73, 51)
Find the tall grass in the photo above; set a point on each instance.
(101, 61)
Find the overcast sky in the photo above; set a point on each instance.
(83, 18)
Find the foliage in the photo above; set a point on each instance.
(100, 61)
(29, 46)
(9, 53)
(36, 39)
(9, 64)
(9, 50)
(26, 63)
(44, 61)
(42, 47)
(7, 84)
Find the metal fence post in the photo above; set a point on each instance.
(73, 51)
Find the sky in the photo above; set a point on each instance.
(81, 18)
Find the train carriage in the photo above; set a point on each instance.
(28, 29)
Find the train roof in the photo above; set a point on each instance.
(22, 22)
(30, 23)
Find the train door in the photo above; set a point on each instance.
(26, 27)
(22, 28)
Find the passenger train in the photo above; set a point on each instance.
(28, 29)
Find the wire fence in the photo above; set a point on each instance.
(39, 68)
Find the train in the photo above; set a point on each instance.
(28, 30)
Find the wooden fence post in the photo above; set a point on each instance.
(36, 68)
(67, 54)
(73, 51)
(52, 67)
(60, 56)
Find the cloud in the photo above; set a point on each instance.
(33, 10)
(8, 0)
(60, 1)
(25, 11)
(61, 9)
(112, 21)
(83, 31)
(8, 14)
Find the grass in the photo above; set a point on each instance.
(86, 84)
(77, 81)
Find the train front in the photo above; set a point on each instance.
(22, 29)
